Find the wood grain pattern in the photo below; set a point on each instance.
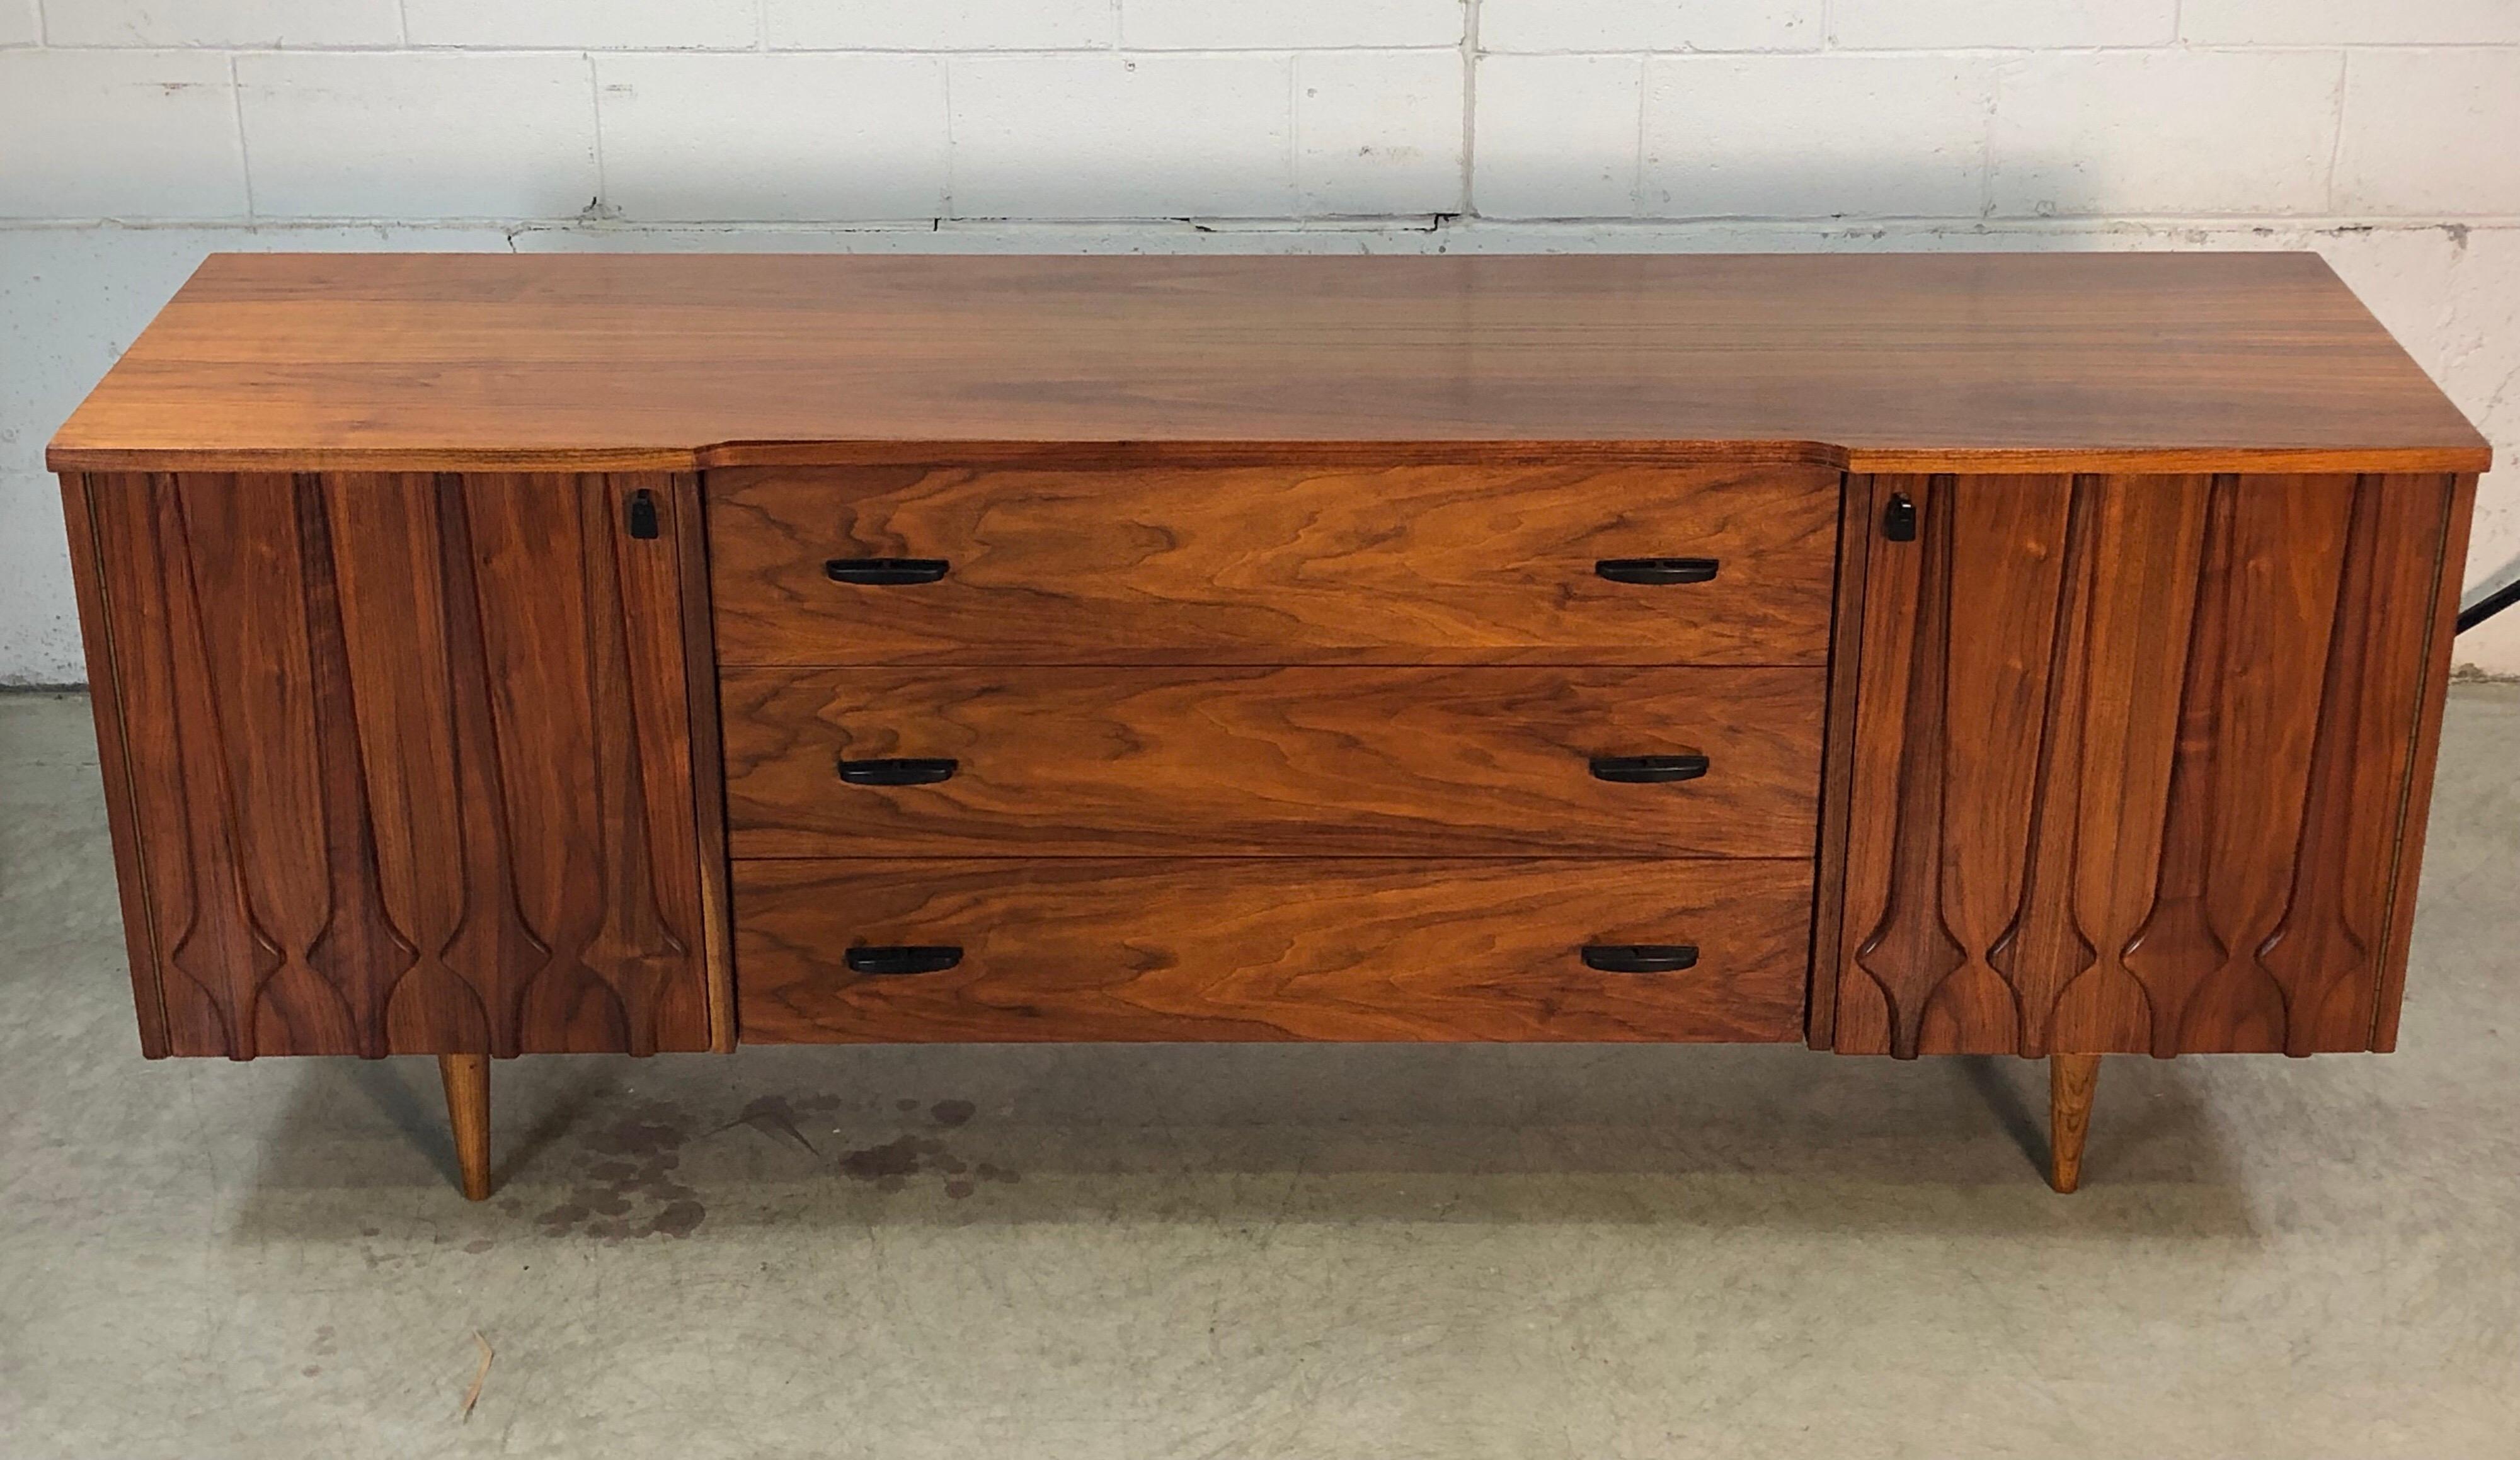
(1879, 363)
(123, 797)
(1858, 510)
(2440, 636)
(1358, 950)
(2173, 823)
(2072, 1081)
(408, 758)
(467, 1080)
(708, 760)
(1404, 564)
(1342, 761)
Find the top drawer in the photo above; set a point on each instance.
(1273, 565)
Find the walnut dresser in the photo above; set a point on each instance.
(1902, 654)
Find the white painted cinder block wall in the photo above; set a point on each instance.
(137, 134)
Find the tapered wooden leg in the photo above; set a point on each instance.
(2071, 1080)
(468, 1110)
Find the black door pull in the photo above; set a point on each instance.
(882, 572)
(1647, 770)
(643, 513)
(1640, 957)
(904, 959)
(898, 772)
(1656, 569)
(1898, 519)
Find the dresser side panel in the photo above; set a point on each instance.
(105, 700)
(2447, 571)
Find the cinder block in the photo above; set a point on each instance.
(1378, 132)
(17, 23)
(2431, 133)
(222, 22)
(938, 25)
(1556, 136)
(1649, 25)
(1087, 136)
(119, 134)
(789, 137)
(1288, 24)
(2315, 23)
(2148, 133)
(1815, 136)
(588, 24)
(417, 136)
(1924, 24)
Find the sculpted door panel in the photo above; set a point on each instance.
(2132, 758)
(406, 760)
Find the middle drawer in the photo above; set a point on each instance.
(1207, 761)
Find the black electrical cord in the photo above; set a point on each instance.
(2491, 604)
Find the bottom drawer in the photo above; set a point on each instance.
(1227, 948)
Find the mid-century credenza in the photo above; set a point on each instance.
(1905, 654)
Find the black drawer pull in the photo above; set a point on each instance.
(1898, 519)
(898, 772)
(1647, 770)
(1656, 569)
(1640, 957)
(883, 572)
(909, 958)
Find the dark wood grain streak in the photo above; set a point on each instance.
(358, 950)
(2315, 951)
(708, 757)
(2150, 537)
(2186, 778)
(2044, 948)
(2178, 947)
(1857, 512)
(225, 954)
(484, 952)
(1339, 760)
(1877, 363)
(1911, 950)
(137, 593)
(1363, 948)
(1398, 566)
(1995, 698)
(388, 769)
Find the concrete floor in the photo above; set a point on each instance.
(1027, 1253)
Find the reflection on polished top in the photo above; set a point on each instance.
(2165, 361)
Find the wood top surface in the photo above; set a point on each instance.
(1883, 361)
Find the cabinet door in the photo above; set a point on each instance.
(404, 764)
(2133, 759)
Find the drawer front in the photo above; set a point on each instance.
(1231, 949)
(1283, 566)
(1346, 761)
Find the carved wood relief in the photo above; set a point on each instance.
(2132, 758)
(407, 760)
